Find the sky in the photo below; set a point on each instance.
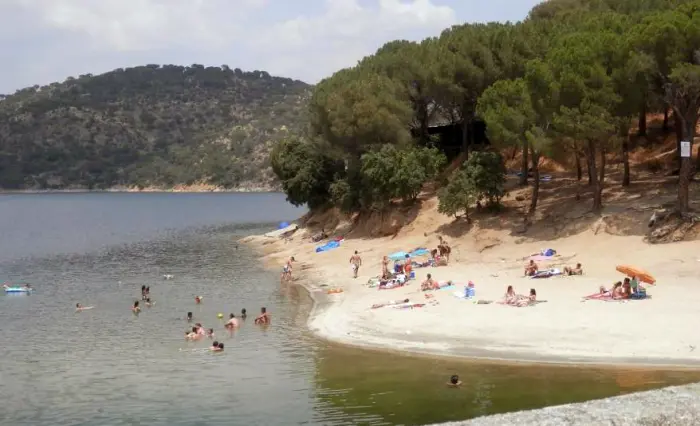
(42, 41)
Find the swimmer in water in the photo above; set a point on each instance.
(81, 308)
(136, 309)
(210, 333)
(217, 348)
(244, 314)
(197, 299)
(264, 317)
(148, 291)
(192, 334)
(143, 292)
(214, 346)
(189, 317)
(195, 335)
(454, 382)
(149, 303)
(232, 322)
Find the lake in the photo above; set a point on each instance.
(106, 366)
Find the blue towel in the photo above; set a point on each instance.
(419, 252)
(328, 246)
(399, 255)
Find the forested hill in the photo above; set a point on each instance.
(148, 126)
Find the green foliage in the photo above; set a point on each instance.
(458, 195)
(391, 172)
(487, 173)
(148, 126)
(305, 172)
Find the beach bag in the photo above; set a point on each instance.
(548, 252)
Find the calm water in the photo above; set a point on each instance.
(108, 367)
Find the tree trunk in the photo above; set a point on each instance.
(678, 126)
(601, 182)
(579, 169)
(524, 165)
(593, 175)
(642, 131)
(624, 134)
(535, 156)
(664, 128)
(688, 129)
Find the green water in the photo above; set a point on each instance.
(408, 390)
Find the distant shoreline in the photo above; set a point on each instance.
(184, 190)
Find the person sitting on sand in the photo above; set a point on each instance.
(407, 267)
(529, 300)
(617, 292)
(445, 251)
(454, 381)
(263, 318)
(510, 297)
(429, 284)
(578, 270)
(385, 268)
(626, 288)
(356, 262)
(531, 268)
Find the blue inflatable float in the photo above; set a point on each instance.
(283, 225)
(18, 290)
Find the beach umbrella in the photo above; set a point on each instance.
(632, 271)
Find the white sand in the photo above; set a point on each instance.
(657, 331)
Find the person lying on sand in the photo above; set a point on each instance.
(429, 284)
(389, 303)
(531, 268)
(578, 270)
(454, 382)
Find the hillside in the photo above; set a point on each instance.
(149, 126)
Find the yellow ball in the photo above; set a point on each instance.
(219, 316)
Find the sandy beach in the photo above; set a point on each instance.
(657, 331)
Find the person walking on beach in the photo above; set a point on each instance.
(356, 262)
(287, 270)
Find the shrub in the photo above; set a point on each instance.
(486, 172)
(459, 194)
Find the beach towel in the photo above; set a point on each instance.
(546, 273)
(328, 246)
(399, 255)
(599, 296)
(419, 252)
(410, 306)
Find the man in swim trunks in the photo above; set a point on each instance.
(264, 317)
(356, 262)
(578, 270)
(531, 268)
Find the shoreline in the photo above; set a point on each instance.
(648, 334)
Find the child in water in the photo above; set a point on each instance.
(198, 299)
(149, 303)
(210, 333)
(136, 309)
(189, 317)
(244, 314)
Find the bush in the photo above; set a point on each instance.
(305, 171)
(459, 194)
(486, 172)
(393, 172)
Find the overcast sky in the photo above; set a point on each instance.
(42, 41)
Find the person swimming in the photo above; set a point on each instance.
(214, 345)
(143, 292)
(198, 299)
(244, 314)
(454, 381)
(149, 303)
(189, 317)
(232, 322)
(80, 308)
(210, 333)
(192, 334)
(136, 309)
(264, 317)
(217, 347)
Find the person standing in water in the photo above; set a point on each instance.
(232, 322)
(189, 317)
(264, 317)
(356, 262)
(143, 292)
(244, 314)
(136, 309)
